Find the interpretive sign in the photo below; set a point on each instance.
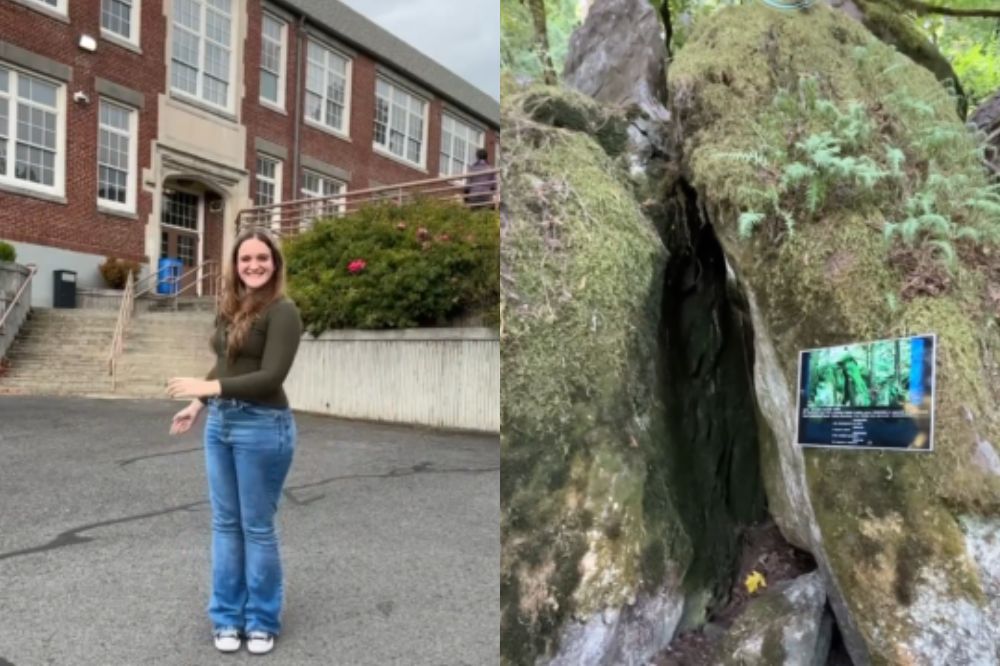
(872, 395)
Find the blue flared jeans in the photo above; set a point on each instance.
(248, 451)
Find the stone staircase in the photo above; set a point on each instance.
(65, 351)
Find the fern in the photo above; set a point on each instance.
(748, 221)
(896, 158)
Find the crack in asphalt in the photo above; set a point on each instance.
(72, 537)
(129, 461)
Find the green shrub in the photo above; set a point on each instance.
(392, 266)
(7, 252)
(115, 271)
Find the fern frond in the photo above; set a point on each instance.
(748, 221)
(947, 250)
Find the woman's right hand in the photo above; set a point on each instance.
(184, 419)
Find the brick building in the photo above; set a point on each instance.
(140, 129)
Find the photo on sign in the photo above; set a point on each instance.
(872, 395)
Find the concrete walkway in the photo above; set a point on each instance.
(390, 541)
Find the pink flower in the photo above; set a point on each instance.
(444, 238)
(423, 234)
(356, 266)
(401, 226)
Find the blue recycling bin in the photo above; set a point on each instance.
(168, 275)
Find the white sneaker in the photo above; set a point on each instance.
(227, 640)
(260, 642)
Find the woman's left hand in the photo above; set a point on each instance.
(191, 387)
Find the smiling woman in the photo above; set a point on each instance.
(250, 440)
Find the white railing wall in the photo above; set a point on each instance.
(441, 377)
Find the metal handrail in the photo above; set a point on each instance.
(288, 216)
(32, 269)
(127, 308)
(121, 325)
(210, 268)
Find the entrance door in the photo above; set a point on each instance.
(179, 224)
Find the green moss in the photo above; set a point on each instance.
(583, 527)
(888, 521)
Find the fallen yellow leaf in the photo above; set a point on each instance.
(755, 580)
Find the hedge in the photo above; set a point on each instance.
(387, 266)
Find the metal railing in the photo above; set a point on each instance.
(205, 272)
(121, 326)
(9, 308)
(32, 269)
(476, 190)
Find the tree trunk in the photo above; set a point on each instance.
(542, 40)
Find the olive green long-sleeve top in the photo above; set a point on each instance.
(262, 363)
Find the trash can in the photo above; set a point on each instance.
(168, 275)
(64, 289)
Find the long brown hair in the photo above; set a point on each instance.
(239, 307)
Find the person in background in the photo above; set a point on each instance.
(479, 187)
(249, 438)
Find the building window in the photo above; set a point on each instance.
(200, 55)
(315, 186)
(180, 209)
(272, 61)
(31, 131)
(328, 77)
(399, 122)
(459, 142)
(58, 5)
(116, 156)
(268, 181)
(121, 19)
(185, 249)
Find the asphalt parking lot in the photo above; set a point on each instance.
(390, 541)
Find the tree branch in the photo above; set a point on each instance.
(921, 7)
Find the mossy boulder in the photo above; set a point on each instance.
(754, 92)
(590, 543)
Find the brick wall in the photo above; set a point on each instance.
(77, 225)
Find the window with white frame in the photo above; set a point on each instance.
(328, 76)
(58, 5)
(201, 59)
(399, 122)
(268, 181)
(459, 142)
(272, 61)
(116, 156)
(121, 19)
(315, 186)
(32, 114)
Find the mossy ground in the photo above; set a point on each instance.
(885, 518)
(583, 524)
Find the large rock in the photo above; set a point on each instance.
(592, 549)
(618, 57)
(986, 119)
(901, 538)
(786, 626)
(624, 73)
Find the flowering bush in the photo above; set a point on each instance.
(389, 266)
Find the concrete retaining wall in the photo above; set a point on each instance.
(11, 277)
(442, 377)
